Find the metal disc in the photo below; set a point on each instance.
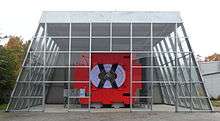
(120, 72)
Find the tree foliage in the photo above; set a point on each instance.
(11, 58)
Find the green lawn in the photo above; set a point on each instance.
(3, 106)
(216, 103)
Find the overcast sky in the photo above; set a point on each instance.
(201, 17)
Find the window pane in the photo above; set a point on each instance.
(80, 44)
(100, 29)
(121, 29)
(58, 29)
(80, 29)
(141, 44)
(140, 29)
(121, 44)
(163, 29)
(100, 44)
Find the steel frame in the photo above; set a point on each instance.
(46, 51)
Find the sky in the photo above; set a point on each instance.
(201, 17)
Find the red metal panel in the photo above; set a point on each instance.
(108, 95)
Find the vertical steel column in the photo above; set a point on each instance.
(44, 68)
(69, 70)
(131, 64)
(175, 70)
(190, 82)
(29, 90)
(151, 63)
(90, 48)
(110, 37)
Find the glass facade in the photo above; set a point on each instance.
(170, 79)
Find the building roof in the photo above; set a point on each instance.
(110, 16)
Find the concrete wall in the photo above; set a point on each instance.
(211, 76)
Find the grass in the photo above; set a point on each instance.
(3, 106)
(216, 103)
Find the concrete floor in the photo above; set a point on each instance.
(59, 113)
(156, 107)
(60, 109)
(109, 116)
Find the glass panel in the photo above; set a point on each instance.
(121, 44)
(100, 29)
(164, 59)
(141, 59)
(36, 104)
(169, 43)
(80, 44)
(36, 89)
(80, 29)
(40, 30)
(79, 104)
(180, 31)
(201, 104)
(79, 90)
(141, 74)
(61, 43)
(141, 44)
(163, 73)
(163, 29)
(21, 89)
(58, 29)
(167, 92)
(141, 89)
(183, 74)
(183, 90)
(184, 104)
(163, 97)
(198, 90)
(79, 59)
(141, 29)
(57, 59)
(57, 74)
(20, 103)
(27, 61)
(38, 44)
(141, 103)
(100, 44)
(183, 59)
(80, 74)
(25, 74)
(195, 74)
(182, 45)
(79, 95)
(205, 104)
(159, 74)
(121, 29)
(163, 45)
(56, 93)
(37, 58)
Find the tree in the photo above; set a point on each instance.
(11, 58)
(17, 48)
(7, 73)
